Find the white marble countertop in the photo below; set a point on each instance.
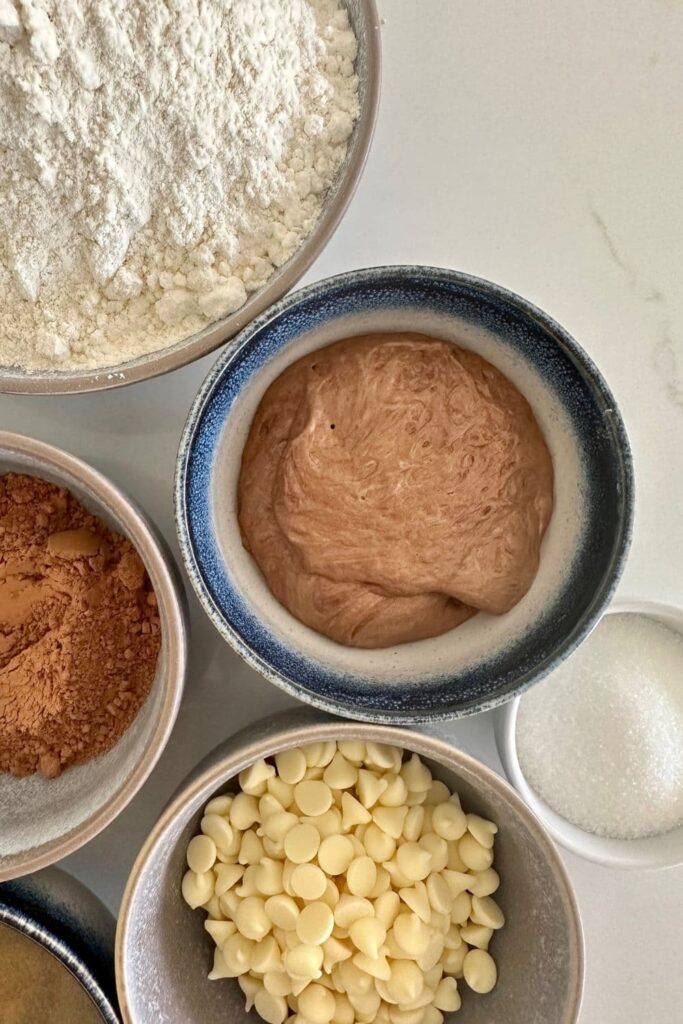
(537, 144)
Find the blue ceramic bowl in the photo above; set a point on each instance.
(59, 913)
(490, 658)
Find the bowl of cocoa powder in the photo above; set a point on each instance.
(93, 647)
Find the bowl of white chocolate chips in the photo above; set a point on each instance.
(314, 871)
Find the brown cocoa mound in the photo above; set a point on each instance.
(79, 630)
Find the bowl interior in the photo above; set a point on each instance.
(44, 819)
(164, 954)
(665, 850)
(489, 657)
(365, 20)
(54, 947)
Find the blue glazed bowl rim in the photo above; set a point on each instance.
(28, 926)
(428, 275)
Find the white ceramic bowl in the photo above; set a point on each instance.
(665, 850)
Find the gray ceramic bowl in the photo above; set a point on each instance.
(365, 20)
(42, 820)
(59, 913)
(163, 954)
(490, 658)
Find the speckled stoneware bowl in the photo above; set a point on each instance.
(64, 917)
(42, 820)
(163, 953)
(489, 658)
(365, 20)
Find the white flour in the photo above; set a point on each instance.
(159, 159)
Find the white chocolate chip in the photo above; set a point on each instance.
(291, 765)
(282, 911)
(335, 854)
(479, 970)
(448, 821)
(487, 912)
(483, 830)
(379, 755)
(251, 848)
(266, 956)
(411, 934)
(218, 829)
(476, 935)
(220, 931)
(219, 805)
(361, 876)
(227, 875)
(309, 881)
(243, 812)
(387, 907)
(201, 854)
(406, 982)
(353, 750)
(416, 775)
(353, 812)
(278, 983)
(344, 887)
(251, 918)
(250, 986)
(350, 909)
(390, 820)
(313, 798)
(370, 787)
(197, 888)
(412, 826)
(315, 924)
(272, 1008)
(340, 773)
(253, 779)
(301, 843)
(474, 856)
(484, 883)
(317, 1004)
(304, 962)
(437, 848)
(368, 935)
(269, 877)
(417, 899)
(414, 862)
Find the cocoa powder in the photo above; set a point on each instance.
(79, 630)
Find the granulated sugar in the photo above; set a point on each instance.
(159, 162)
(601, 741)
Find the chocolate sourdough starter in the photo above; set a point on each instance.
(392, 485)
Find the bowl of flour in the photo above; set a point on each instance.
(167, 175)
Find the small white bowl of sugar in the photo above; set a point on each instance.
(596, 749)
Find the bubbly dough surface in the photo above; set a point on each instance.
(392, 485)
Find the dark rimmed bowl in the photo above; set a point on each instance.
(70, 922)
(488, 659)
